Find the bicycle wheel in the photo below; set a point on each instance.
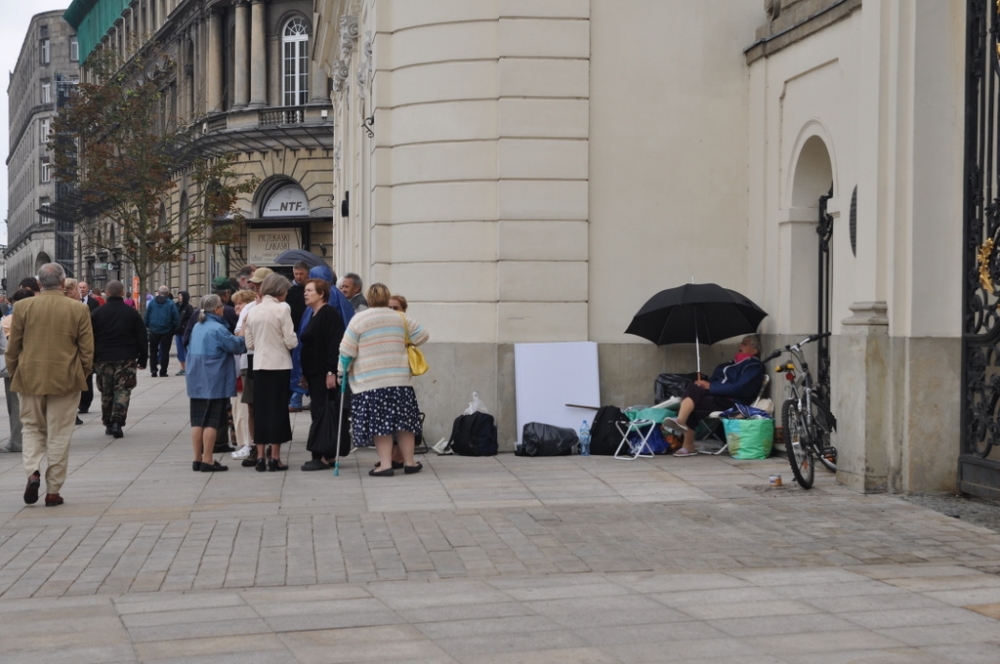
(825, 452)
(797, 444)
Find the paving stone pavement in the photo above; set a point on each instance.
(497, 560)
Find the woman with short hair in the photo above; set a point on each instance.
(211, 380)
(271, 336)
(383, 401)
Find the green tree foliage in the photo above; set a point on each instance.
(121, 152)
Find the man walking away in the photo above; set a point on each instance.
(162, 319)
(119, 349)
(87, 396)
(49, 354)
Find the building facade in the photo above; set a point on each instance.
(534, 171)
(47, 68)
(244, 79)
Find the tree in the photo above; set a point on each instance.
(121, 153)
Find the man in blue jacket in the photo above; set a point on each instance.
(738, 381)
(162, 320)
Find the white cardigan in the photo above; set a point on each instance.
(269, 333)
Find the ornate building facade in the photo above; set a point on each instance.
(531, 171)
(245, 80)
(47, 68)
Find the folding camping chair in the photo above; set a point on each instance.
(642, 422)
(714, 420)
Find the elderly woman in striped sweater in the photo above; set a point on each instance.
(379, 373)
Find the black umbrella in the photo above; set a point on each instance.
(693, 313)
(293, 256)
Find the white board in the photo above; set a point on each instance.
(549, 376)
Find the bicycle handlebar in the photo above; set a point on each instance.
(807, 340)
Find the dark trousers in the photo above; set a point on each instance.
(87, 396)
(704, 403)
(159, 347)
(320, 397)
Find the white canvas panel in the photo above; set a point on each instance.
(548, 376)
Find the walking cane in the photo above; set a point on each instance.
(346, 362)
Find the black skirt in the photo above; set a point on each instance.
(270, 407)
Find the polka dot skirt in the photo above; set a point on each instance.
(383, 412)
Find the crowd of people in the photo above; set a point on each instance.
(249, 353)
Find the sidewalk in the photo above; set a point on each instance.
(498, 560)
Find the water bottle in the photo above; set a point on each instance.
(584, 439)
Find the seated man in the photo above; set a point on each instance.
(732, 382)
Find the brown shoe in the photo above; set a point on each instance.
(31, 491)
(53, 499)
(293, 409)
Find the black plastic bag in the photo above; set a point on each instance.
(672, 385)
(539, 439)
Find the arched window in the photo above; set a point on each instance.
(295, 62)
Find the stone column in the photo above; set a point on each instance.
(241, 47)
(863, 400)
(215, 64)
(258, 55)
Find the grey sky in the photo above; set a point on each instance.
(17, 15)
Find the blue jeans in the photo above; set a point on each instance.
(181, 350)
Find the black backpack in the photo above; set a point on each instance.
(474, 435)
(604, 435)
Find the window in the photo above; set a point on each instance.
(43, 32)
(295, 62)
(45, 126)
(46, 51)
(46, 170)
(46, 93)
(74, 49)
(44, 203)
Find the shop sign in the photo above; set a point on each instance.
(288, 201)
(265, 244)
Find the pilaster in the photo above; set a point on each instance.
(862, 392)
(214, 63)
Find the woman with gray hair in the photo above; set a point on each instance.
(211, 380)
(271, 336)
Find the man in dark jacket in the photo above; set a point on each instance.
(161, 320)
(119, 349)
(738, 381)
(296, 301)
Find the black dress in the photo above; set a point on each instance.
(320, 355)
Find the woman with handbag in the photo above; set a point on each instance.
(320, 353)
(375, 351)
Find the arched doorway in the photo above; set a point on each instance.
(812, 261)
(41, 259)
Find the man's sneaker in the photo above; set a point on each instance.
(180, 373)
(242, 453)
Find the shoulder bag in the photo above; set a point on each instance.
(418, 365)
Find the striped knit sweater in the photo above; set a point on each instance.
(375, 339)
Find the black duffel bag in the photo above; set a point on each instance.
(539, 439)
(672, 385)
(474, 435)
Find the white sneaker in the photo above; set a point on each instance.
(242, 453)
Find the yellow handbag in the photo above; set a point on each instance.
(418, 365)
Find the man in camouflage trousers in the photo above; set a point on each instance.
(120, 349)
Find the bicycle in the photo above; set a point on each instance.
(806, 419)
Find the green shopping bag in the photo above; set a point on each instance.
(749, 439)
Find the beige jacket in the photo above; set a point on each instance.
(51, 346)
(269, 333)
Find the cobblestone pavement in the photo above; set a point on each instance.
(475, 560)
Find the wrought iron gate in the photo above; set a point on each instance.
(825, 231)
(978, 465)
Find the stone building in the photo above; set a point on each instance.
(533, 171)
(46, 68)
(243, 76)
